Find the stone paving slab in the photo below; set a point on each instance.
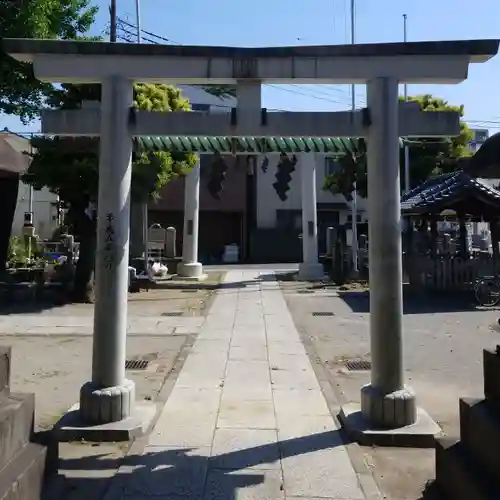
(247, 414)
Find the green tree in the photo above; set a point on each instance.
(69, 168)
(21, 93)
(427, 156)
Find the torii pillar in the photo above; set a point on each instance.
(110, 397)
(386, 401)
(389, 413)
(309, 269)
(190, 268)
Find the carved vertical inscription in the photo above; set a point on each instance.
(109, 247)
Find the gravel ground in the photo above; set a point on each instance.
(443, 361)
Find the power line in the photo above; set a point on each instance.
(134, 27)
(483, 121)
(127, 33)
(322, 94)
(323, 90)
(298, 92)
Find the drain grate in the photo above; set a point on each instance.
(190, 290)
(358, 365)
(136, 364)
(305, 291)
(323, 313)
(175, 313)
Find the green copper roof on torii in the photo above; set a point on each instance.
(249, 145)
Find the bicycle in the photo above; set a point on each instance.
(487, 291)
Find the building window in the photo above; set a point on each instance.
(331, 165)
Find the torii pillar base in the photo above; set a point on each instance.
(192, 271)
(107, 414)
(412, 426)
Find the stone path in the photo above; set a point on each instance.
(246, 418)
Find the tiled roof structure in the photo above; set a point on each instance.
(443, 191)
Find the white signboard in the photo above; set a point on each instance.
(157, 235)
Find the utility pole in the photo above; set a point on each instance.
(406, 149)
(113, 20)
(138, 19)
(354, 205)
(144, 208)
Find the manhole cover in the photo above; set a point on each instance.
(323, 313)
(176, 313)
(136, 364)
(357, 365)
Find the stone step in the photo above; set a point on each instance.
(16, 424)
(480, 432)
(5, 357)
(22, 478)
(458, 477)
(491, 372)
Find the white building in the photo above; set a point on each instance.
(14, 158)
(269, 206)
(203, 101)
(250, 213)
(270, 209)
(479, 137)
(44, 207)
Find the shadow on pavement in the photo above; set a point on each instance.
(182, 472)
(24, 302)
(431, 492)
(359, 302)
(27, 304)
(200, 285)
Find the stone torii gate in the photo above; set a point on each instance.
(386, 402)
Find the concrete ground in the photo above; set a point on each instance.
(443, 356)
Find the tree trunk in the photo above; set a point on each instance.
(83, 286)
(9, 188)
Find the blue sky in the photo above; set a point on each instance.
(277, 22)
